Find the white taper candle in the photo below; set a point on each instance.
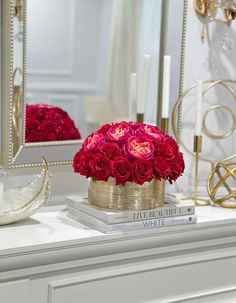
(166, 87)
(143, 83)
(133, 97)
(198, 115)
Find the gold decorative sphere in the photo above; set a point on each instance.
(221, 185)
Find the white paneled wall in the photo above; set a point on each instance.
(207, 60)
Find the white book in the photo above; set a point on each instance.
(172, 208)
(128, 226)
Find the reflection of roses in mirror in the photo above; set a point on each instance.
(129, 152)
(48, 123)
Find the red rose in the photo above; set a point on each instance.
(111, 150)
(82, 162)
(101, 167)
(142, 171)
(135, 125)
(178, 167)
(104, 129)
(161, 168)
(168, 148)
(149, 132)
(121, 170)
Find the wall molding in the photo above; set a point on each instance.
(63, 87)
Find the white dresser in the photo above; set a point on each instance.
(51, 258)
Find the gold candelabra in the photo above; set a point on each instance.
(140, 117)
(165, 125)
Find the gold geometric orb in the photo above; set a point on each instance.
(221, 185)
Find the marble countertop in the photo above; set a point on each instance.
(51, 227)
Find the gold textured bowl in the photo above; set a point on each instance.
(131, 196)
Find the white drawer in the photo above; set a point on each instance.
(15, 291)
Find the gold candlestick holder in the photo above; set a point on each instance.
(197, 149)
(165, 125)
(140, 118)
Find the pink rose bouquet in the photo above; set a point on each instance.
(129, 151)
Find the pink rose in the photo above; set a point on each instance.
(149, 132)
(93, 142)
(138, 148)
(121, 170)
(142, 171)
(119, 132)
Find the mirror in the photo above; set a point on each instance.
(69, 71)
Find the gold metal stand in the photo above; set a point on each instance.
(140, 118)
(197, 148)
(165, 125)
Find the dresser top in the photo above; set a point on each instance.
(51, 227)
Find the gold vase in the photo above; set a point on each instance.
(131, 196)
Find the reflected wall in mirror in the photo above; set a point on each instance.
(80, 55)
(73, 62)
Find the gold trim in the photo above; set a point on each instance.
(17, 101)
(205, 7)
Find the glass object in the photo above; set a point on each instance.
(20, 202)
(227, 41)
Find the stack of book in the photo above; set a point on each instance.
(174, 212)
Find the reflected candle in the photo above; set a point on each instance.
(198, 115)
(166, 87)
(132, 97)
(143, 83)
